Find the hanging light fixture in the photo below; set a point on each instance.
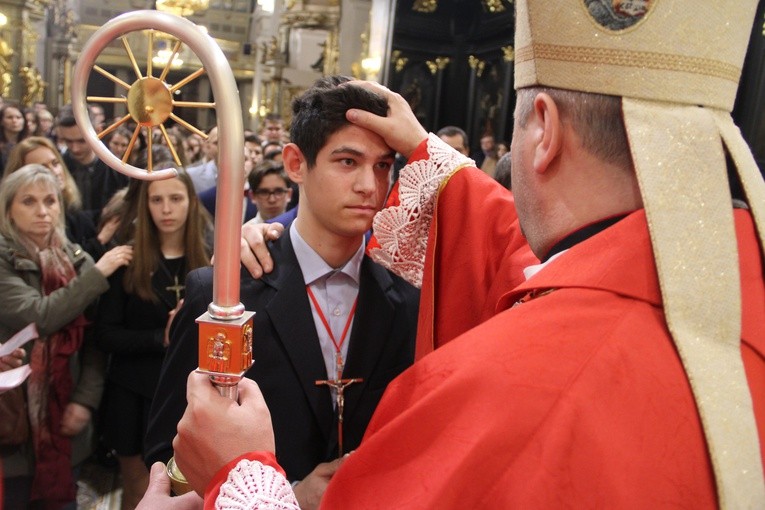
(163, 57)
(182, 7)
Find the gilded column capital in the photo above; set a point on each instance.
(493, 6)
(476, 64)
(425, 6)
(437, 64)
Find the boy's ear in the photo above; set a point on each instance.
(294, 162)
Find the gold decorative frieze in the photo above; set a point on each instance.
(493, 6)
(325, 19)
(425, 6)
(269, 50)
(508, 53)
(33, 84)
(6, 76)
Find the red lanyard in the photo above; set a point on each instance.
(338, 346)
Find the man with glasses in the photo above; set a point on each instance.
(269, 190)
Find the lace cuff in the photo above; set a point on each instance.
(252, 484)
(402, 230)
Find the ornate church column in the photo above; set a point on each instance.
(61, 34)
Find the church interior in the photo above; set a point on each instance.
(451, 59)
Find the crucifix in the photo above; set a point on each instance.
(339, 384)
(177, 288)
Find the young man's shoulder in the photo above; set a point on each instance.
(389, 281)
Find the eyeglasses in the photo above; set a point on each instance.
(266, 193)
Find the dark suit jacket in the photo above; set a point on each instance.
(288, 359)
(96, 187)
(207, 197)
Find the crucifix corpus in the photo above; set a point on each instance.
(339, 384)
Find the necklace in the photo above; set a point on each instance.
(177, 286)
(338, 383)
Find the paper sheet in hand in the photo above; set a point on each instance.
(19, 339)
(12, 378)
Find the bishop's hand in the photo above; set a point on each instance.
(215, 430)
(400, 128)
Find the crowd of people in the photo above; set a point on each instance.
(550, 346)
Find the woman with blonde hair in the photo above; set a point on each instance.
(135, 315)
(49, 281)
(79, 225)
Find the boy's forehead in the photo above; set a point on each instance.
(355, 139)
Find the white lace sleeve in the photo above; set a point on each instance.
(252, 485)
(402, 230)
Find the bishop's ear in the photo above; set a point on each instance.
(549, 131)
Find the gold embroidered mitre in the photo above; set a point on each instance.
(676, 65)
(686, 52)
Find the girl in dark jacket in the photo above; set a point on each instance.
(135, 314)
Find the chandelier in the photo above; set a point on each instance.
(182, 7)
(163, 57)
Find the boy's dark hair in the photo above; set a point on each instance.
(267, 168)
(320, 112)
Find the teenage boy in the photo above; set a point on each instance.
(325, 309)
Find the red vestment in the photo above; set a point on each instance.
(474, 242)
(574, 399)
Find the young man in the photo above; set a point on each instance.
(253, 149)
(324, 306)
(617, 380)
(270, 190)
(96, 181)
(273, 129)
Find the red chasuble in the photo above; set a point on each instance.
(574, 399)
